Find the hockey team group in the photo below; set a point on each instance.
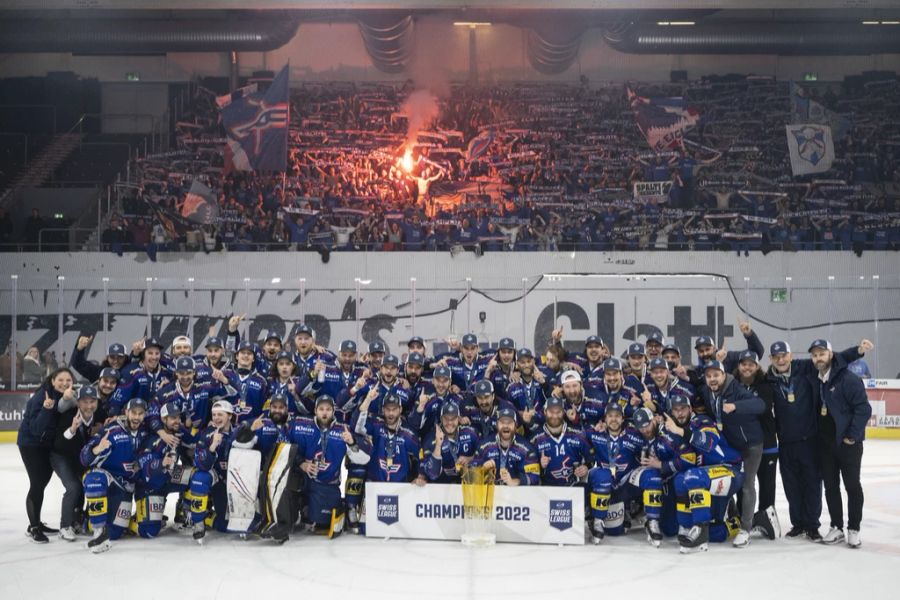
(254, 438)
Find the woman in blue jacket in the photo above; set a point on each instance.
(35, 441)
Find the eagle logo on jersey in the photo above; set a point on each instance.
(389, 469)
(319, 459)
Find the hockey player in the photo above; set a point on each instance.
(625, 390)
(111, 456)
(565, 454)
(106, 386)
(411, 377)
(582, 411)
(655, 344)
(142, 378)
(706, 351)
(527, 392)
(164, 468)
(214, 359)
(181, 346)
(647, 478)
(307, 353)
(374, 357)
(286, 380)
(512, 459)
(385, 383)
(449, 448)
(470, 367)
(211, 460)
(116, 358)
(707, 472)
(266, 355)
(192, 401)
(662, 386)
(591, 362)
(426, 414)
(337, 380)
(317, 447)
(482, 415)
(637, 361)
(250, 385)
(396, 450)
(501, 367)
(616, 449)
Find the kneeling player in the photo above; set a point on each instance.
(701, 492)
(211, 460)
(449, 448)
(164, 469)
(108, 486)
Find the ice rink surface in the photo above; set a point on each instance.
(174, 567)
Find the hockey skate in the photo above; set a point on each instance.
(654, 534)
(100, 542)
(597, 532)
(695, 539)
(199, 532)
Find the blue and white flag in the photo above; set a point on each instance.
(811, 147)
(257, 128)
(663, 121)
(807, 110)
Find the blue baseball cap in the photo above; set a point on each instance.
(169, 409)
(87, 391)
(415, 358)
(246, 345)
(469, 340)
(636, 348)
(672, 348)
(110, 373)
(507, 413)
(136, 403)
(613, 363)
(779, 347)
(348, 346)
(415, 340)
(284, 355)
(391, 359)
(820, 343)
(280, 398)
(714, 364)
(704, 340)
(303, 329)
(442, 372)
(642, 417)
(524, 353)
(391, 399)
(184, 364)
(749, 355)
(321, 399)
(553, 401)
(272, 336)
(507, 344)
(593, 339)
(153, 342)
(483, 387)
(659, 363)
(656, 337)
(214, 342)
(376, 346)
(679, 400)
(449, 409)
(613, 406)
(116, 350)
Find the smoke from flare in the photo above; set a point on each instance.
(420, 108)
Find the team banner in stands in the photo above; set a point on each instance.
(811, 147)
(257, 128)
(200, 205)
(806, 110)
(663, 121)
(537, 515)
(645, 191)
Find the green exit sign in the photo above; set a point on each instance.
(132, 76)
(779, 295)
(810, 77)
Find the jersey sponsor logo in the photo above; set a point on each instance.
(563, 471)
(561, 514)
(388, 510)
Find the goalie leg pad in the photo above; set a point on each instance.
(242, 488)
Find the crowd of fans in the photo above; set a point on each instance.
(567, 169)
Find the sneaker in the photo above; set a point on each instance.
(100, 542)
(813, 535)
(654, 534)
(199, 532)
(853, 538)
(835, 535)
(67, 534)
(696, 539)
(766, 522)
(45, 529)
(795, 532)
(597, 531)
(37, 536)
(742, 539)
